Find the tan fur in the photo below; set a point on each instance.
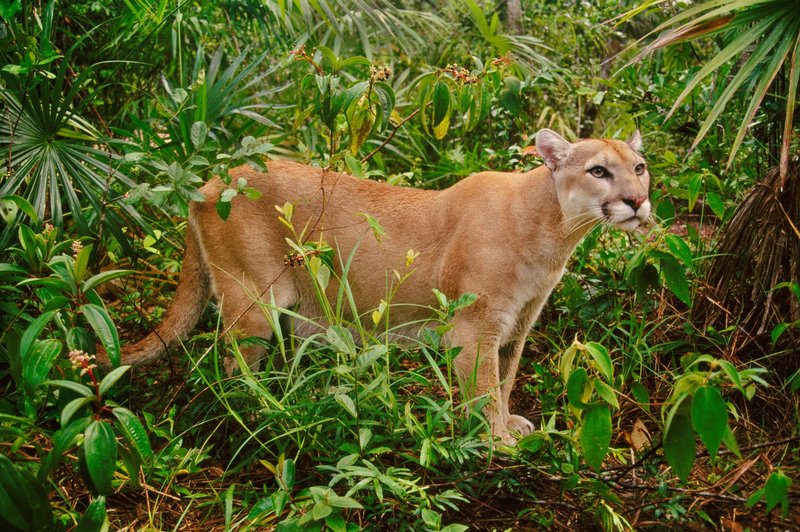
(503, 236)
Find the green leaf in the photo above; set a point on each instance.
(575, 387)
(377, 230)
(730, 442)
(344, 502)
(595, 434)
(679, 444)
(716, 204)
(81, 264)
(288, 474)
(63, 440)
(80, 389)
(606, 392)
(602, 360)
(112, 377)
(105, 330)
(777, 492)
(695, 183)
(533, 442)
(23, 501)
(198, 134)
(441, 109)
(347, 403)
(103, 277)
(72, 407)
(709, 417)
(31, 334)
(100, 456)
(21, 204)
(641, 395)
(680, 249)
(675, 278)
(223, 209)
(95, 518)
(39, 362)
(80, 339)
(321, 510)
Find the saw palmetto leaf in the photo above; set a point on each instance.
(763, 35)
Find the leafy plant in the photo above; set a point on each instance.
(696, 405)
(55, 157)
(765, 32)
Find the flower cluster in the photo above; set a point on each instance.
(76, 247)
(460, 74)
(83, 361)
(504, 61)
(381, 73)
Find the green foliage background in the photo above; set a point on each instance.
(114, 112)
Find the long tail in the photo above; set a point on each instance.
(183, 314)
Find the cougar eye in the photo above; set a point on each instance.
(640, 168)
(599, 171)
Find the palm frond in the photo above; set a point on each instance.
(763, 34)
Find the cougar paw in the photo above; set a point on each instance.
(519, 425)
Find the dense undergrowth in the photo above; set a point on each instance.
(113, 113)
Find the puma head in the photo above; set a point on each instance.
(598, 179)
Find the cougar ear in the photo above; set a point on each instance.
(635, 141)
(552, 147)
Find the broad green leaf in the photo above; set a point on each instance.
(63, 440)
(732, 373)
(675, 277)
(596, 434)
(23, 205)
(198, 134)
(709, 417)
(95, 518)
(39, 362)
(730, 442)
(336, 523)
(81, 263)
(103, 277)
(344, 502)
(80, 389)
(776, 491)
(441, 110)
(288, 474)
(105, 330)
(112, 377)
(602, 360)
(80, 339)
(223, 209)
(679, 444)
(533, 442)
(714, 201)
(72, 407)
(606, 392)
(377, 230)
(641, 395)
(31, 334)
(100, 456)
(680, 249)
(575, 387)
(23, 501)
(347, 403)
(321, 510)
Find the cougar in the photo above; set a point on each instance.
(505, 237)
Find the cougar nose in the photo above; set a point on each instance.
(634, 202)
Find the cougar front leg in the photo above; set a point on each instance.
(509, 356)
(478, 369)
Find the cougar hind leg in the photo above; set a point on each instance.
(244, 315)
